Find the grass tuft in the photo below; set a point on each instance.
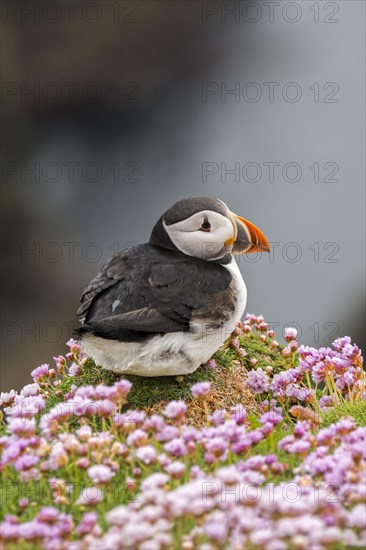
(357, 410)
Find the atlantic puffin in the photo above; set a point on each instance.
(165, 307)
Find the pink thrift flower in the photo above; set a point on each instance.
(88, 521)
(325, 402)
(22, 427)
(201, 390)
(48, 514)
(30, 390)
(25, 462)
(211, 364)
(290, 333)
(7, 398)
(123, 388)
(137, 438)
(247, 329)
(176, 447)
(175, 409)
(234, 343)
(74, 370)
(100, 474)
(40, 373)
(73, 345)
(258, 381)
(90, 496)
(251, 318)
(176, 469)
(147, 454)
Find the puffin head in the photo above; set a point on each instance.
(205, 228)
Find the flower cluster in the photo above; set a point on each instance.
(81, 472)
(339, 370)
(235, 507)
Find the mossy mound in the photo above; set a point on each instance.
(227, 374)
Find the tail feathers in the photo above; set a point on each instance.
(79, 331)
(108, 332)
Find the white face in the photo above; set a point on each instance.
(203, 235)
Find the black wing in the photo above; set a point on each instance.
(146, 290)
(114, 270)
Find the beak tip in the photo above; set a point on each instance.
(257, 241)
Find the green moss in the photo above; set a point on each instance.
(355, 410)
(146, 392)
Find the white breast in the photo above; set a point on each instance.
(169, 354)
(241, 289)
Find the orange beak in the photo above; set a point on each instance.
(247, 237)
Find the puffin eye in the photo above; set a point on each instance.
(206, 226)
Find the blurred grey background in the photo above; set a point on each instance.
(112, 111)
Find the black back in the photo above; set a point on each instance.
(147, 290)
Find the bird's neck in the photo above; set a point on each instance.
(159, 237)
